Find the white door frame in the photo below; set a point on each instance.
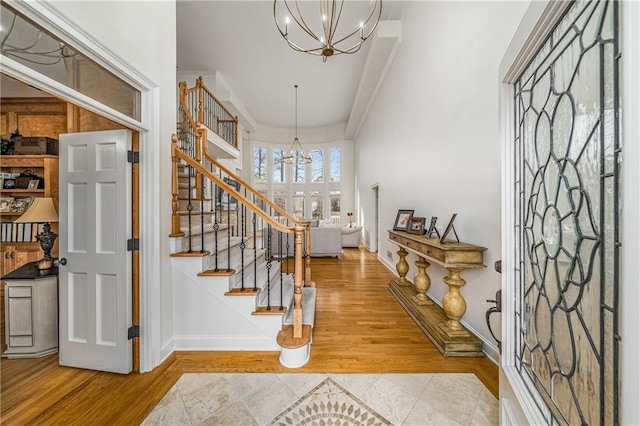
(533, 30)
(48, 17)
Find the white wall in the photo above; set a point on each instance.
(431, 137)
(144, 35)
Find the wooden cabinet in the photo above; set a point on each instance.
(44, 166)
(31, 312)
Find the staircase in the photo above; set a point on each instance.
(231, 293)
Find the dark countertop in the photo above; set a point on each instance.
(30, 271)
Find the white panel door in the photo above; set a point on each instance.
(95, 223)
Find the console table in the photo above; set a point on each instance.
(31, 312)
(441, 325)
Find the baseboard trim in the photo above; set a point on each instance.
(224, 343)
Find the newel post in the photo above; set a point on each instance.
(175, 218)
(297, 293)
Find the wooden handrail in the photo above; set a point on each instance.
(180, 155)
(306, 224)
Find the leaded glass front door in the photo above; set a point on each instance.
(566, 219)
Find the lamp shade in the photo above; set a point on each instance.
(41, 210)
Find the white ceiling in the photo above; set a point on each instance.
(239, 40)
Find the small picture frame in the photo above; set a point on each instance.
(5, 204)
(21, 205)
(33, 184)
(432, 227)
(402, 220)
(8, 183)
(416, 225)
(448, 229)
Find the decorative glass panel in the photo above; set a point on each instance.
(26, 43)
(567, 148)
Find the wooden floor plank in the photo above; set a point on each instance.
(359, 328)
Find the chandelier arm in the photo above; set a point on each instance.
(301, 22)
(334, 22)
(364, 25)
(17, 55)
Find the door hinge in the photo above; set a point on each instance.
(134, 331)
(133, 244)
(133, 157)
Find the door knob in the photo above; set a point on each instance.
(62, 261)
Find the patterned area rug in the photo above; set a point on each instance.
(329, 404)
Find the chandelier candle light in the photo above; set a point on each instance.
(295, 154)
(316, 32)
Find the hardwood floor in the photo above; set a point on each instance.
(360, 328)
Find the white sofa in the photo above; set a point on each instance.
(325, 241)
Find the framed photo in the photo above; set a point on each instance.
(33, 184)
(448, 229)
(402, 220)
(416, 225)
(20, 205)
(432, 227)
(5, 204)
(8, 183)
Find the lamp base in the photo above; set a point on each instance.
(44, 264)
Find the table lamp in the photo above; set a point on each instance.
(42, 210)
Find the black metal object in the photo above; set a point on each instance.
(567, 219)
(133, 244)
(133, 331)
(494, 310)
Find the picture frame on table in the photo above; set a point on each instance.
(402, 220)
(432, 227)
(448, 229)
(33, 184)
(416, 225)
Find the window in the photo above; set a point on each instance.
(280, 199)
(317, 165)
(298, 173)
(317, 205)
(259, 164)
(302, 190)
(298, 205)
(335, 164)
(334, 198)
(278, 166)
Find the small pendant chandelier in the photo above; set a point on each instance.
(295, 154)
(330, 43)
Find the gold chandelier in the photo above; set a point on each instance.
(295, 154)
(331, 42)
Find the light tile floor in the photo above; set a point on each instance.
(260, 399)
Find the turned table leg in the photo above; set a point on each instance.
(402, 267)
(422, 283)
(453, 303)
